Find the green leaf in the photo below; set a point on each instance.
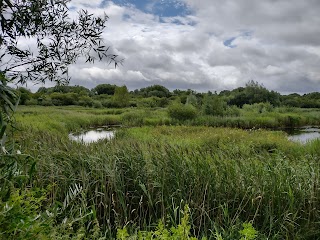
(3, 130)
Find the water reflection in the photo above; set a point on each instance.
(92, 136)
(304, 135)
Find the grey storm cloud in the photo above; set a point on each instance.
(219, 45)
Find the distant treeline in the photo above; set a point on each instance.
(108, 95)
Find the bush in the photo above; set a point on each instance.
(32, 101)
(182, 112)
(63, 99)
(97, 104)
(111, 103)
(46, 102)
(133, 118)
(182, 231)
(19, 217)
(153, 102)
(85, 101)
(258, 107)
(192, 99)
(232, 111)
(214, 105)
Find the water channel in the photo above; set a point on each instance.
(304, 135)
(93, 135)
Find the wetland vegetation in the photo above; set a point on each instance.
(183, 164)
(180, 171)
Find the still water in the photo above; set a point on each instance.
(92, 135)
(304, 135)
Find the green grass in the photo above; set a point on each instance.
(73, 117)
(227, 176)
(64, 120)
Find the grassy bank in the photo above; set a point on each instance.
(226, 176)
(74, 118)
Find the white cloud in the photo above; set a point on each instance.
(273, 70)
(85, 3)
(276, 43)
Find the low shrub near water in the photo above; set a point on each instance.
(133, 118)
(182, 112)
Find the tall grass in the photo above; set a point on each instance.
(63, 120)
(226, 176)
(80, 117)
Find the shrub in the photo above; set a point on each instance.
(258, 107)
(133, 118)
(121, 96)
(46, 102)
(97, 104)
(152, 102)
(31, 102)
(182, 231)
(214, 105)
(111, 103)
(232, 111)
(192, 99)
(85, 101)
(182, 112)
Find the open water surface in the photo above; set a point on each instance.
(92, 136)
(304, 135)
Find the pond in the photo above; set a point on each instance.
(92, 136)
(304, 135)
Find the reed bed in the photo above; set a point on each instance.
(226, 176)
(73, 117)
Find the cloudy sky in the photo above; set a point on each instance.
(208, 44)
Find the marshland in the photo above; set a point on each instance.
(196, 166)
(126, 156)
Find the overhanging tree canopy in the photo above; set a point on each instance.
(57, 40)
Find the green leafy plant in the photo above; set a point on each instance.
(248, 232)
(182, 112)
(20, 215)
(180, 232)
(8, 103)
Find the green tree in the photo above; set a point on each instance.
(64, 99)
(104, 89)
(154, 91)
(252, 93)
(121, 96)
(8, 103)
(192, 99)
(24, 94)
(214, 105)
(182, 112)
(59, 42)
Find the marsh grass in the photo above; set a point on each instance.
(73, 117)
(63, 120)
(226, 176)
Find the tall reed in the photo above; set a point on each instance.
(226, 176)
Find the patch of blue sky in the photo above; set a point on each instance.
(247, 33)
(137, 3)
(162, 8)
(178, 20)
(228, 42)
(243, 34)
(171, 8)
